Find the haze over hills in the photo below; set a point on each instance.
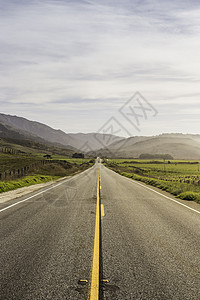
(77, 141)
(179, 146)
(15, 135)
(23, 142)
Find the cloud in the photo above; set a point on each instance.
(93, 55)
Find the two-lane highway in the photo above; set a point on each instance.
(149, 245)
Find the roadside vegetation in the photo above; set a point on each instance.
(180, 178)
(26, 181)
(27, 166)
(52, 170)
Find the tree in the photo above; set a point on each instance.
(78, 155)
(48, 156)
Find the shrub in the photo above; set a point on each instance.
(189, 196)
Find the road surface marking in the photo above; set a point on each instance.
(105, 281)
(83, 281)
(102, 211)
(94, 288)
(146, 187)
(68, 179)
(35, 195)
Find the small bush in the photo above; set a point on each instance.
(189, 196)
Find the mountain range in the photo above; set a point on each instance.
(14, 127)
(178, 145)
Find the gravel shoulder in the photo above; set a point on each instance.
(7, 196)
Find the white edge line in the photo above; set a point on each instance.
(37, 194)
(146, 187)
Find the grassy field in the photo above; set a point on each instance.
(57, 167)
(24, 162)
(25, 181)
(180, 178)
(10, 162)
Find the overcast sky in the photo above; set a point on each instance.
(73, 64)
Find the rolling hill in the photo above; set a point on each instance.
(78, 141)
(179, 146)
(22, 142)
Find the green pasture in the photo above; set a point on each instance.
(57, 167)
(26, 181)
(10, 162)
(180, 178)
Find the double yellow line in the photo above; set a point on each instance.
(94, 287)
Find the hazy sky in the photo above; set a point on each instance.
(74, 64)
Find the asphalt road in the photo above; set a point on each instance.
(150, 245)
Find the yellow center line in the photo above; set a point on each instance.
(94, 288)
(102, 211)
